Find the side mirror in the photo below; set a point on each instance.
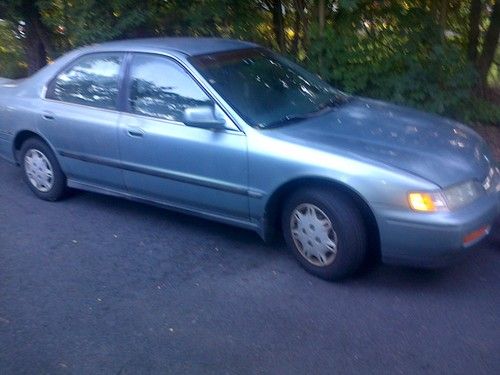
(203, 117)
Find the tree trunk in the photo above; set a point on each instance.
(36, 40)
(474, 30)
(305, 25)
(36, 56)
(298, 25)
(321, 17)
(279, 24)
(490, 45)
(321, 29)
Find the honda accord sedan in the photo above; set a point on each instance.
(230, 131)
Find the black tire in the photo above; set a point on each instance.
(347, 224)
(58, 187)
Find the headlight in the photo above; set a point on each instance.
(463, 194)
(449, 199)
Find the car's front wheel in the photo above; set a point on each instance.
(325, 231)
(42, 172)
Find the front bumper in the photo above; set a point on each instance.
(431, 240)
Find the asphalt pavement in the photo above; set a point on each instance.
(99, 285)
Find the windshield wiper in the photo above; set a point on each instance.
(288, 119)
(332, 102)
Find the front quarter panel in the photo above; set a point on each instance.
(274, 162)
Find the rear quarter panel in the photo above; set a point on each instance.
(17, 113)
(20, 104)
(7, 110)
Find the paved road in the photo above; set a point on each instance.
(95, 285)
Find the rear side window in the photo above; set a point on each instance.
(160, 88)
(92, 80)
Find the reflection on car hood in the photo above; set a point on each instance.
(7, 82)
(437, 149)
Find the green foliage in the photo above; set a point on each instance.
(398, 53)
(215, 18)
(477, 110)
(11, 53)
(409, 52)
(83, 22)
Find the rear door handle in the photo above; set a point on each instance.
(48, 116)
(137, 133)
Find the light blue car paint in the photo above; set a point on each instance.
(377, 151)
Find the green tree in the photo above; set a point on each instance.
(11, 52)
(26, 19)
(434, 54)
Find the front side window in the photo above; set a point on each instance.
(92, 80)
(161, 88)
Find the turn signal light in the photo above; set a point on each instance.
(422, 202)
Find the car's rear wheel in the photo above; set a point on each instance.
(41, 169)
(325, 231)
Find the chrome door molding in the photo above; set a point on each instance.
(170, 175)
(237, 221)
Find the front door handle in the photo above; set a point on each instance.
(137, 133)
(48, 116)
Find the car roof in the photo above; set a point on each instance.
(185, 45)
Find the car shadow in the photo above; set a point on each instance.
(200, 225)
(373, 274)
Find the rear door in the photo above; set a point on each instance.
(80, 118)
(165, 160)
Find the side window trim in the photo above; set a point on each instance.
(124, 82)
(48, 89)
(50, 84)
(127, 86)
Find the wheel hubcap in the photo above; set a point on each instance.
(39, 170)
(313, 235)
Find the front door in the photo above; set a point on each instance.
(165, 160)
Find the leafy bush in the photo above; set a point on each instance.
(416, 53)
(479, 110)
(404, 59)
(11, 53)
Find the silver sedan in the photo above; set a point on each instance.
(230, 131)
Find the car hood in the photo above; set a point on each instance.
(440, 150)
(9, 86)
(7, 82)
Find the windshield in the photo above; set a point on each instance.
(264, 88)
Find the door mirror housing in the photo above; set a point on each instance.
(203, 117)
